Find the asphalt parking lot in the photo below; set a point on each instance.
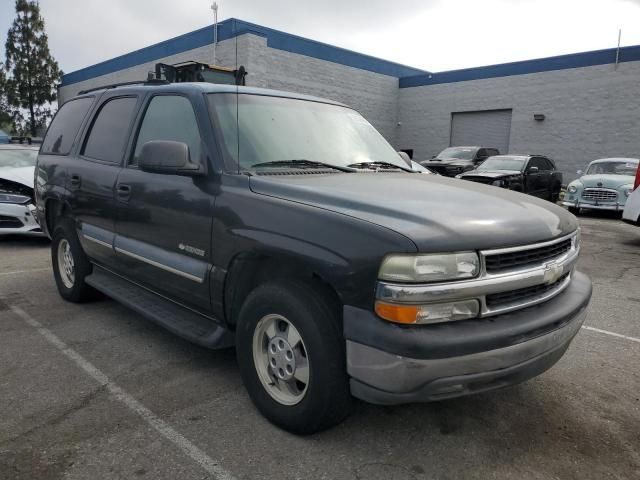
(95, 391)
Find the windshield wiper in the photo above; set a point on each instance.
(379, 165)
(301, 163)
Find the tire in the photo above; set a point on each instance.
(301, 408)
(574, 210)
(70, 278)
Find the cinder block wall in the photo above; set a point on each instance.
(591, 112)
(372, 94)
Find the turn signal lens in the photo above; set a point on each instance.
(429, 313)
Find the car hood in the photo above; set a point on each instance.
(607, 181)
(490, 173)
(21, 175)
(450, 161)
(436, 213)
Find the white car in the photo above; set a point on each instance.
(631, 213)
(17, 208)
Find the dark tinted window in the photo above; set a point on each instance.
(492, 151)
(110, 130)
(169, 117)
(65, 126)
(541, 163)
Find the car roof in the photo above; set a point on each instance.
(205, 87)
(615, 159)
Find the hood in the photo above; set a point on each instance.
(607, 180)
(490, 173)
(21, 175)
(450, 161)
(437, 213)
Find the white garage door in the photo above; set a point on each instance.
(489, 128)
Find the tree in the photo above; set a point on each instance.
(6, 119)
(32, 71)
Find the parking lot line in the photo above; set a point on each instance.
(192, 451)
(17, 272)
(613, 334)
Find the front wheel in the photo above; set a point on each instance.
(574, 210)
(70, 264)
(291, 354)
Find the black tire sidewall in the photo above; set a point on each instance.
(327, 399)
(64, 229)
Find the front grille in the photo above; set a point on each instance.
(485, 180)
(10, 222)
(523, 258)
(599, 195)
(523, 295)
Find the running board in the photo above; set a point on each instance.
(183, 322)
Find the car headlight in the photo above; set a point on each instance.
(627, 190)
(572, 189)
(498, 183)
(14, 198)
(429, 267)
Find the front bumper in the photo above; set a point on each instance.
(612, 207)
(18, 219)
(393, 364)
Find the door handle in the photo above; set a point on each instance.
(123, 192)
(75, 180)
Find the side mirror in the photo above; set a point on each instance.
(405, 157)
(168, 157)
(533, 170)
(579, 172)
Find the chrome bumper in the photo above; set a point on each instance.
(614, 207)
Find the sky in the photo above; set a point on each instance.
(434, 35)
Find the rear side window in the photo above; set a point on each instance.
(65, 126)
(110, 130)
(169, 117)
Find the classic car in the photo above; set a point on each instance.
(533, 174)
(454, 160)
(17, 208)
(604, 186)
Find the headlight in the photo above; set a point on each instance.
(430, 267)
(13, 198)
(627, 191)
(572, 189)
(498, 183)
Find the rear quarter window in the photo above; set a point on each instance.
(65, 126)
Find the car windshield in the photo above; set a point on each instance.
(461, 153)
(257, 129)
(613, 168)
(18, 157)
(502, 163)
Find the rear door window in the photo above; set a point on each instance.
(65, 126)
(169, 117)
(109, 133)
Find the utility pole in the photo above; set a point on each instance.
(214, 7)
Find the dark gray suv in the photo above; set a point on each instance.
(287, 226)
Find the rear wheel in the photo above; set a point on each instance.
(291, 354)
(70, 264)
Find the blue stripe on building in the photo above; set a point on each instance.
(231, 28)
(575, 60)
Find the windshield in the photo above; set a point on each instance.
(613, 168)
(461, 153)
(502, 163)
(275, 129)
(18, 157)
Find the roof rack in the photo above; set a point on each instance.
(149, 81)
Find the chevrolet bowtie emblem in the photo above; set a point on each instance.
(552, 272)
